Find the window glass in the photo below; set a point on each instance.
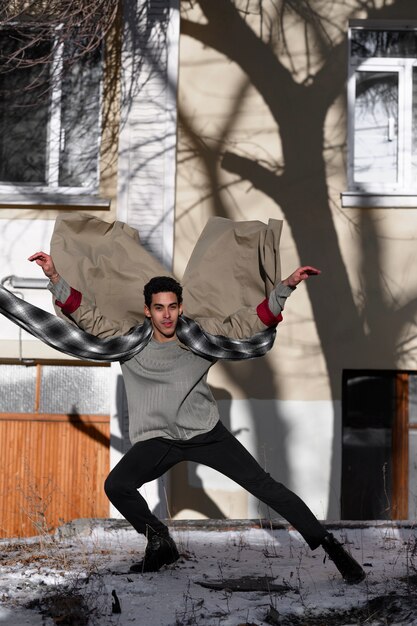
(414, 128)
(412, 399)
(17, 389)
(367, 43)
(368, 410)
(80, 121)
(71, 390)
(376, 127)
(412, 475)
(412, 447)
(23, 124)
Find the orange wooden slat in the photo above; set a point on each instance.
(52, 417)
(400, 450)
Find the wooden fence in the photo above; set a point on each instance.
(52, 470)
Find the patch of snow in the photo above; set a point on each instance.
(87, 568)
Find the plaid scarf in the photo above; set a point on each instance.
(65, 337)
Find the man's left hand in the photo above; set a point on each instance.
(300, 274)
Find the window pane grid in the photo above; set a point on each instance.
(376, 127)
(64, 390)
(382, 112)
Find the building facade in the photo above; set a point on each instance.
(247, 111)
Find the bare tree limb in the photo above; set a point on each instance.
(32, 32)
(248, 169)
(245, 48)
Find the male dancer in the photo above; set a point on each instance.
(173, 417)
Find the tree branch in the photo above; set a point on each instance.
(405, 314)
(248, 169)
(228, 33)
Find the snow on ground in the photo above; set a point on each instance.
(77, 578)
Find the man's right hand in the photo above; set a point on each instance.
(45, 262)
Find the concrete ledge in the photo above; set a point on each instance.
(85, 526)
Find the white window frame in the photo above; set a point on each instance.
(12, 194)
(401, 193)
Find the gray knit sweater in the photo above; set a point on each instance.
(168, 395)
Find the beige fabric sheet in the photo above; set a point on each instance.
(106, 262)
(233, 267)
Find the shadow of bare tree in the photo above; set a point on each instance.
(298, 96)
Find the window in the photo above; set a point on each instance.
(382, 114)
(43, 390)
(50, 123)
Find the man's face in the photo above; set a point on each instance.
(163, 313)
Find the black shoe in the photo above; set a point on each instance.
(161, 550)
(351, 571)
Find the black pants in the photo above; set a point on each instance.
(218, 449)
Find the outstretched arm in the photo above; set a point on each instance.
(250, 320)
(73, 304)
(278, 296)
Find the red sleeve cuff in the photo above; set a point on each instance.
(266, 316)
(72, 303)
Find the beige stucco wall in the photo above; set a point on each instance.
(225, 112)
(231, 102)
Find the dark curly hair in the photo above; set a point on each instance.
(160, 284)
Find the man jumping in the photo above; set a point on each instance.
(173, 417)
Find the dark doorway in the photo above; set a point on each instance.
(379, 445)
